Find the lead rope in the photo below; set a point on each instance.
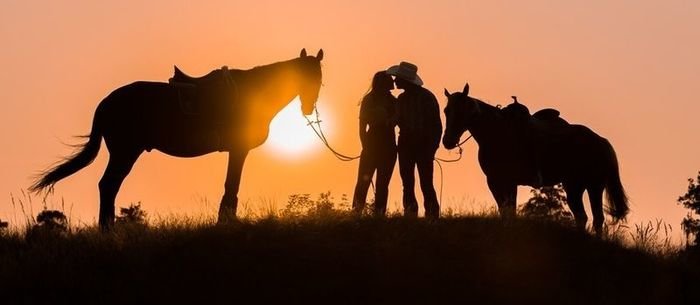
(440, 160)
(322, 136)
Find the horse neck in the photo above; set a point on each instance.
(274, 85)
(488, 128)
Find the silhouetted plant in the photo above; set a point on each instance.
(49, 223)
(344, 203)
(691, 200)
(132, 214)
(302, 205)
(548, 202)
(52, 219)
(653, 237)
(3, 225)
(297, 205)
(324, 204)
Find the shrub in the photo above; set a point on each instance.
(132, 215)
(548, 202)
(48, 224)
(691, 200)
(302, 205)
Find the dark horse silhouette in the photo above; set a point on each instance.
(569, 154)
(230, 112)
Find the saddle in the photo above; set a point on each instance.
(538, 136)
(205, 95)
(545, 122)
(213, 77)
(548, 121)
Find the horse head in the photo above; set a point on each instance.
(310, 84)
(460, 111)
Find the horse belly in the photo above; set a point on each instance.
(184, 143)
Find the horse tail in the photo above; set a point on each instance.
(84, 155)
(617, 206)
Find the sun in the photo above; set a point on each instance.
(289, 133)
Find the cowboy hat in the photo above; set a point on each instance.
(406, 71)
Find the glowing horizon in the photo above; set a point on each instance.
(628, 70)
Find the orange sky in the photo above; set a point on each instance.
(627, 69)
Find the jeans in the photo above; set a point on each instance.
(414, 153)
(381, 160)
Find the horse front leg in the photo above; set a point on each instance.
(505, 195)
(229, 202)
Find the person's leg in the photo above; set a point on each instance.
(364, 178)
(385, 168)
(407, 165)
(425, 173)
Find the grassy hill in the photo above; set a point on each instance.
(340, 260)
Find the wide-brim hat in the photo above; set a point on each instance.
(406, 71)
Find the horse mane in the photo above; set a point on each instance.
(263, 70)
(496, 110)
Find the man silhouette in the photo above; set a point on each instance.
(420, 129)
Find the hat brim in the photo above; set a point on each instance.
(394, 71)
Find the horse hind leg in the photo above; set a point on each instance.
(595, 195)
(574, 197)
(118, 167)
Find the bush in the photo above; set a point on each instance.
(132, 215)
(302, 205)
(48, 224)
(548, 202)
(691, 200)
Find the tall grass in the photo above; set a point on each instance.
(654, 237)
(330, 255)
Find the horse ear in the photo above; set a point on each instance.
(466, 89)
(319, 56)
(303, 53)
(447, 93)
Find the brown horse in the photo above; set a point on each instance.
(572, 155)
(231, 113)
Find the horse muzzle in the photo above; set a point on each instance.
(449, 141)
(308, 109)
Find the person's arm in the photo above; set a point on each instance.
(435, 122)
(363, 122)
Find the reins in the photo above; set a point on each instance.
(439, 161)
(322, 136)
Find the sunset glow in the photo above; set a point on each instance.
(290, 134)
(627, 69)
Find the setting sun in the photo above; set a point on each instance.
(290, 135)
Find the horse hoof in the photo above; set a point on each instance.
(225, 219)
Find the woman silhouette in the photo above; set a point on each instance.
(378, 118)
